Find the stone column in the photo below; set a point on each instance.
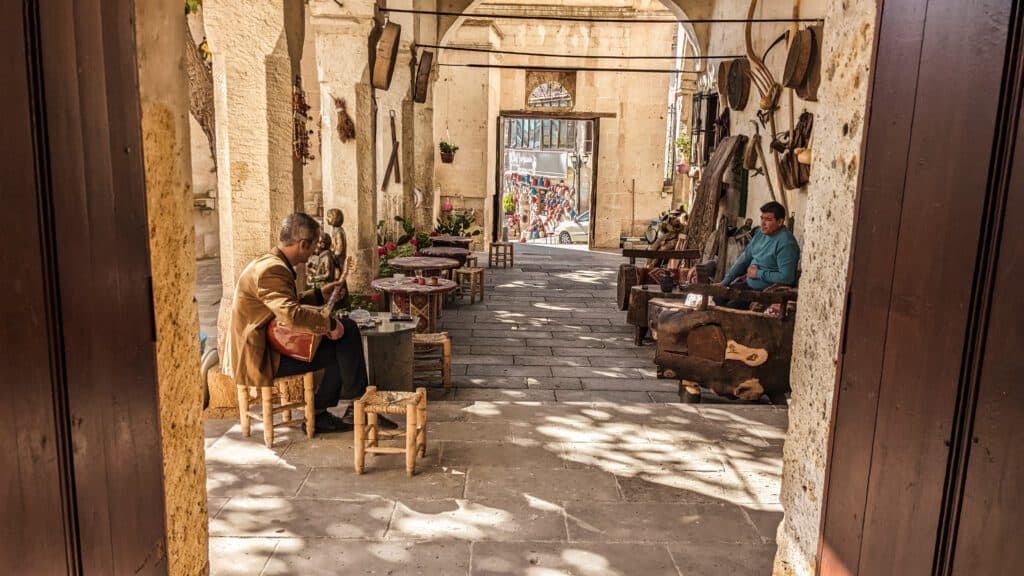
(163, 98)
(256, 49)
(467, 105)
(349, 168)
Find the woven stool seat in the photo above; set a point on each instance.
(287, 393)
(432, 358)
(501, 254)
(367, 433)
(475, 278)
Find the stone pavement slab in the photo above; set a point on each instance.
(556, 451)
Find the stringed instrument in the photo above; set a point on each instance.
(298, 343)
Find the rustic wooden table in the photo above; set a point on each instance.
(425, 265)
(459, 254)
(421, 301)
(448, 240)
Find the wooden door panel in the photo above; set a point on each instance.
(993, 500)
(880, 206)
(36, 535)
(957, 101)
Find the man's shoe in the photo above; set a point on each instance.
(385, 424)
(326, 423)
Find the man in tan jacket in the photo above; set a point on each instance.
(266, 289)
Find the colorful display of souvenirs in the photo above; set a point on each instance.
(535, 206)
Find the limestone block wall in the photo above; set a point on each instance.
(827, 231)
(160, 42)
(629, 187)
(728, 39)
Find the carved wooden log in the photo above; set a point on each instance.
(693, 344)
(629, 276)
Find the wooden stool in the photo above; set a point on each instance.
(367, 434)
(432, 358)
(501, 254)
(471, 261)
(476, 282)
(276, 399)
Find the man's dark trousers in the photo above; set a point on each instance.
(343, 364)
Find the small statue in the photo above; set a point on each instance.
(336, 220)
(323, 267)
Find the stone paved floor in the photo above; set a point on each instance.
(557, 452)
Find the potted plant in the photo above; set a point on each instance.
(447, 152)
(683, 145)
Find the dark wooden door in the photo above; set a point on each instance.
(922, 457)
(80, 458)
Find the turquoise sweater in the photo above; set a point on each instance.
(775, 256)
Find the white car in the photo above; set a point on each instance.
(575, 230)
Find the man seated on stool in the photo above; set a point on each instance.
(770, 258)
(267, 289)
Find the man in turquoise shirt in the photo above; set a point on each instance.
(770, 258)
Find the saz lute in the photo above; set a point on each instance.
(298, 343)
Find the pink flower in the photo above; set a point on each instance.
(434, 233)
(447, 207)
(391, 246)
(381, 251)
(414, 242)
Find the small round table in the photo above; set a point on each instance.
(459, 254)
(449, 240)
(422, 301)
(425, 265)
(388, 350)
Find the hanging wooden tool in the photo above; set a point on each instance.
(385, 55)
(739, 83)
(812, 79)
(770, 91)
(422, 82)
(393, 161)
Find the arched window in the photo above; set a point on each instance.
(549, 95)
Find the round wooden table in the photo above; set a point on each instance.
(421, 301)
(459, 254)
(449, 240)
(425, 265)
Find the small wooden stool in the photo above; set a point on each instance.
(367, 435)
(501, 254)
(276, 399)
(471, 261)
(476, 282)
(432, 355)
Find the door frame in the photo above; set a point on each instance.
(593, 117)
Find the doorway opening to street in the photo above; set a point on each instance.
(546, 172)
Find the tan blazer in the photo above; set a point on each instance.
(267, 289)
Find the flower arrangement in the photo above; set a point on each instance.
(456, 223)
(408, 243)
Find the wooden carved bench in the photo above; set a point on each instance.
(734, 353)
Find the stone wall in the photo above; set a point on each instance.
(163, 92)
(728, 39)
(827, 232)
(629, 187)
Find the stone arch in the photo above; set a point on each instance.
(684, 10)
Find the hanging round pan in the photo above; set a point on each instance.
(723, 81)
(808, 90)
(385, 56)
(799, 58)
(739, 83)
